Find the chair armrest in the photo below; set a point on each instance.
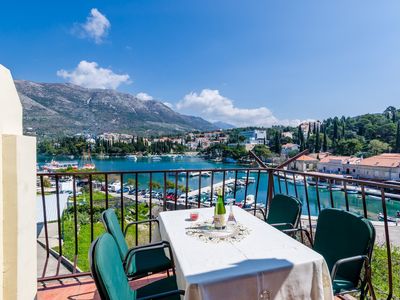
(140, 222)
(257, 209)
(295, 230)
(162, 295)
(346, 260)
(159, 245)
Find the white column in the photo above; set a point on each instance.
(17, 198)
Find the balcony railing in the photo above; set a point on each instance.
(70, 221)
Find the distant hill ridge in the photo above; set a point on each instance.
(63, 108)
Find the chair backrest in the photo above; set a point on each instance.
(284, 209)
(112, 226)
(342, 234)
(107, 270)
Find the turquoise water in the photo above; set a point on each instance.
(374, 206)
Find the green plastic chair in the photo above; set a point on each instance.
(111, 281)
(284, 212)
(346, 241)
(141, 260)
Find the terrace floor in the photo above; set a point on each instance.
(85, 289)
(81, 288)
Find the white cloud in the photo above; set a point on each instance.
(96, 27)
(144, 97)
(211, 105)
(90, 75)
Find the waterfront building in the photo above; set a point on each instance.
(380, 167)
(304, 163)
(116, 137)
(338, 164)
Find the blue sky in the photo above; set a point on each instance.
(244, 62)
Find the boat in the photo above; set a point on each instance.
(55, 166)
(206, 174)
(131, 156)
(381, 217)
(86, 161)
(335, 188)
(156, 158)
(249, 180)
(194, 174)
(352, 192)
(250, 200)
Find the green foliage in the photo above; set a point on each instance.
(348, 147)
(84, 231)
(380, 277)
(276, 143)
(262, 151)
(225, 151)
(77, 145)
(376, 147)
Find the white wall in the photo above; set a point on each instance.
(17, 198)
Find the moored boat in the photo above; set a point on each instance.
(381, 217)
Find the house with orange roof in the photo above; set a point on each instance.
(304, 163)
(380, 167)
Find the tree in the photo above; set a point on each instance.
(335, 131)
(391, 113)
(262, 151)
(317, 142)
(349, 147)
(277, 143)
(376, 147)
(397, 145)
(325, 142)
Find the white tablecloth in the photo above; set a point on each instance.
(267, 264)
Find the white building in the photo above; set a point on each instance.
(304, 163)
(339, 165)
(255, 136)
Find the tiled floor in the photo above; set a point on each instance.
(85, 289)
(81, 289)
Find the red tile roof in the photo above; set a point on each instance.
(386, 160)
(306, 158)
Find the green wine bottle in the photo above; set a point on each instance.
(219, 213)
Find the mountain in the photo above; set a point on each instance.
(223, 125)
(60, 108)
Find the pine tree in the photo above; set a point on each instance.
(300, 135)
(335, 132)
(300, 138)
(277, 143)
(397, 146)
(325, 142)
(317, 142)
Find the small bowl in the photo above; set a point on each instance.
(194, 216)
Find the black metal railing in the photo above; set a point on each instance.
(138, 195)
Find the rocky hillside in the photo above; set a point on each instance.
(57, 108)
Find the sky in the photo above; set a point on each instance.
(247, 62)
